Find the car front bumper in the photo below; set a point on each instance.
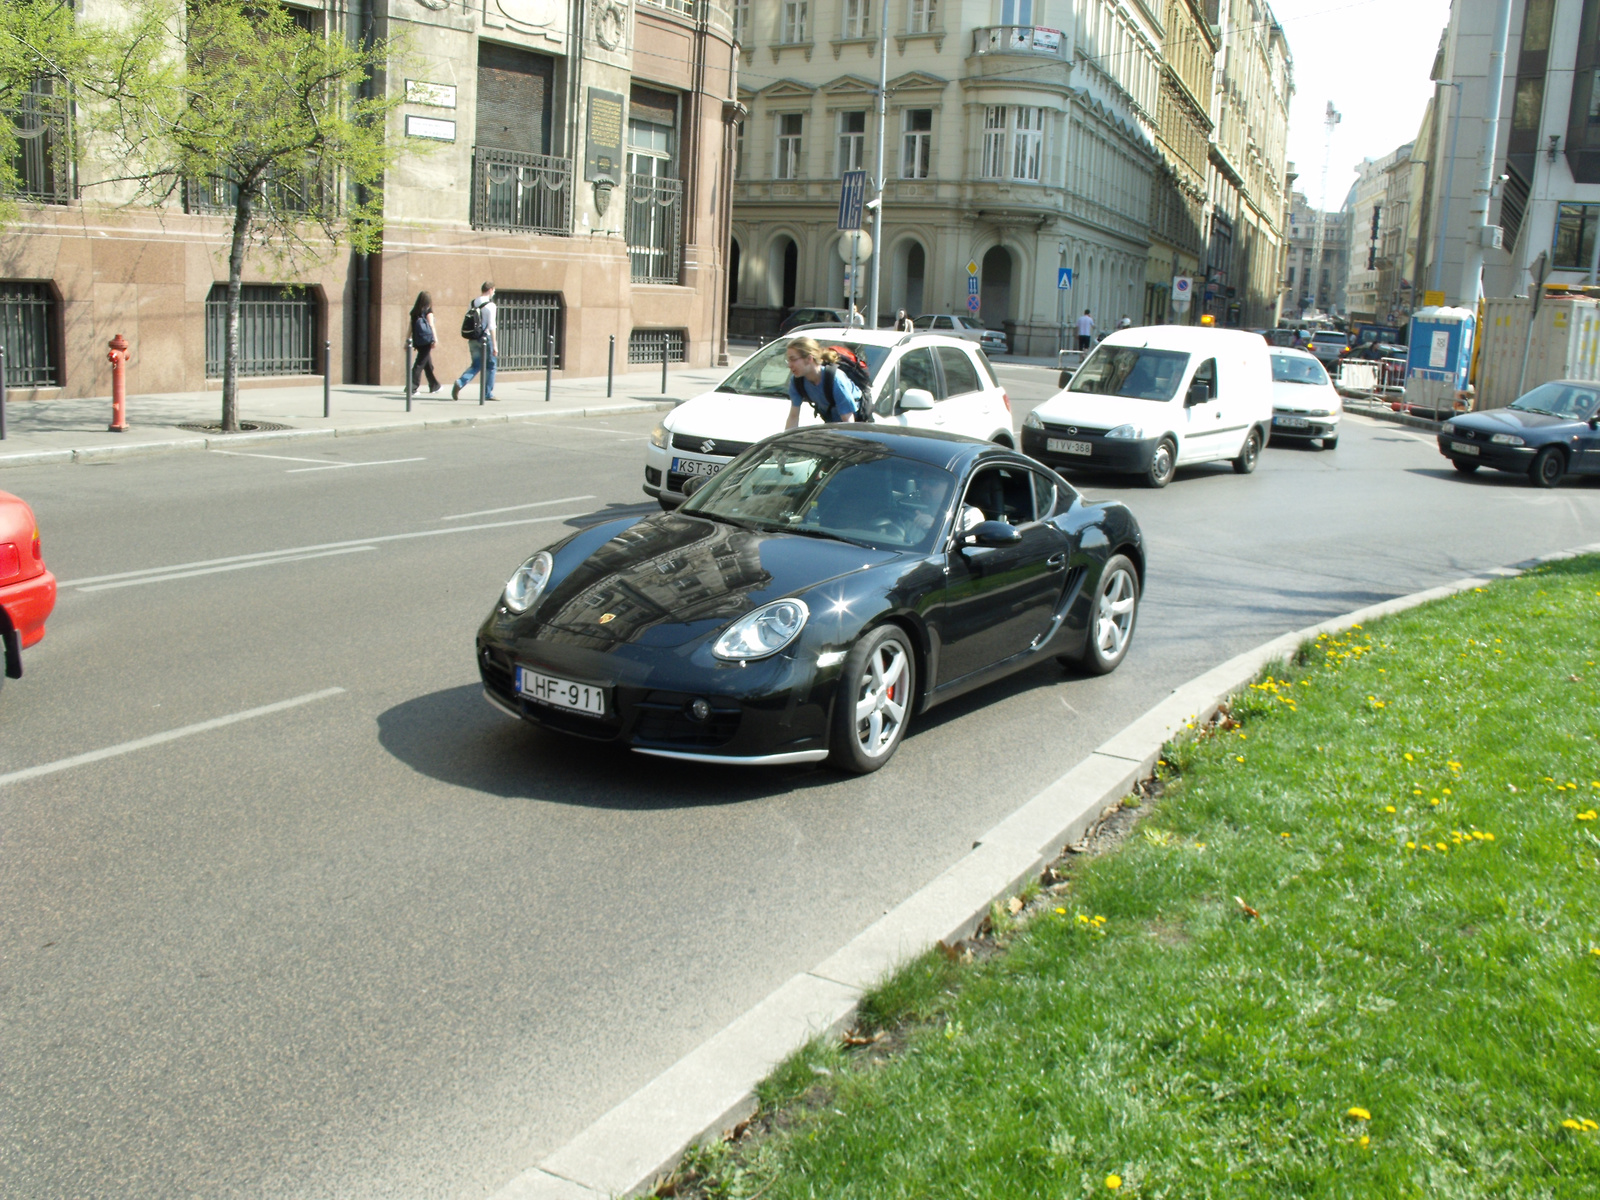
(1130, 455)
(1314, 427)
(661, 481)
(769, 712)
(1501, 458)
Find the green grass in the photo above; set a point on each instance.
(1192, 1050)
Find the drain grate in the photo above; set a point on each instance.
(244, 427)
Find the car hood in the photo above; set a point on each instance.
(734, 417)
(1303, 397)
(677, 578)
(1501, 420)
(1097, 411)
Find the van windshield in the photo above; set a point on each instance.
(1136, 372)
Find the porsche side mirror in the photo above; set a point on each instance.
(916, 400)
(693, 484)
(1199, 393)
(994, 533)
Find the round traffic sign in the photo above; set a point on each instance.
(855, 244)
(972, 304)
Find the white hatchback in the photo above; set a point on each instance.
(922, 380)
(1304, 402)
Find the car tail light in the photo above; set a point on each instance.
(1006, 400)
(10, 560)
(38, 554)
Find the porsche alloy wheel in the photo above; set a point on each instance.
(1111, 620)
(876, 691)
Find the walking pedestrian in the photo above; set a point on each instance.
(811, 370)
(423, 337)
(902, 322)
(1085, 330)
(481, 319)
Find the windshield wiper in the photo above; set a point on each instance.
(726, 520)
(1543, 412)
(813, 531)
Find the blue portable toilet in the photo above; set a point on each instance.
(1438, 357)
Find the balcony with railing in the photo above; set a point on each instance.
(1022, 39)
(528, 193)
(654, 228)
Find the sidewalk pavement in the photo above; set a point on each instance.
(61, 431)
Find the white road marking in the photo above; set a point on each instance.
(491, 512)
(1068, 707)
(341, 466)
(238, 566)
(278, 457)
(156, 739)
(636, 437)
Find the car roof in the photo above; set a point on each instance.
(1194, 338)
(951, 451)
(889, 338)
(1291, 352)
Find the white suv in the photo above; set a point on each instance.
(923, 380)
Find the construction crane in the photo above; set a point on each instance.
(1330, 121)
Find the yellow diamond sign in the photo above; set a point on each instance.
(972, 267)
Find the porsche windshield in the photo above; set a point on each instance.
(1132, 371)
(814, 486)
(766, 373)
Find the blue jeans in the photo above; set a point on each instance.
(477, 365)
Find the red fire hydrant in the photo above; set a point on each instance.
(119, 385)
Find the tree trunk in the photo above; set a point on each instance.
(242, 214)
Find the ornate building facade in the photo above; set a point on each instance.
(1183, 135)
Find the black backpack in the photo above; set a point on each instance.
(472, 323)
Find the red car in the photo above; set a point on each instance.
(27, 590)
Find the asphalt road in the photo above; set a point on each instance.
(386, 941)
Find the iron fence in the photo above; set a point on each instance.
(27, 331)
(277, 330)
(654, 225)
(527, 192)
(524, 323)
(645, 345)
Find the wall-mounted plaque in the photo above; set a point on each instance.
(433, 128)
(438, 95)
(602, 155)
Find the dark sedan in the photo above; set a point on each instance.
(1552, 431)
(804, 603)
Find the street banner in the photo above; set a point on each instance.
(852, 197)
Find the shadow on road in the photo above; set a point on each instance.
(454, 736)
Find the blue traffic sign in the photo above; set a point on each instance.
(972, 285)
(852, 197)
(972, 304)
(1063, 278)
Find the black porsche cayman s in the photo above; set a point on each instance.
(807, 601)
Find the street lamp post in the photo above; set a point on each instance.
(878, 179)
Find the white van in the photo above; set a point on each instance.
(1150, 400)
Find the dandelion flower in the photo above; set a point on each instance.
(1359, 1114)
(1409, 758)
(1388, 808)
(1433, 800)
(1362, 1141)
(1113, 1182)
(1569, 1123)
(1061, 912)
(1238, 758)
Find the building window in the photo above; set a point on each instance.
(852, 142)
(655, 195)
(1575, 229)
(1013, 143)
(277, 330)
(41, 168)
(524, 324)
(918, 143)
(857, 18)
(741, 20)
(921, 15)
(1016, 12)
(648, 345)
(794, 20)
(738, 150)
(1291, 276)
(28, 333)
(789, 129)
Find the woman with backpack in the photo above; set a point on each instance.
(423, 337)
(816, 375)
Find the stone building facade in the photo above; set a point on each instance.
(1313, 283)
(1019, 139)
(505, 95)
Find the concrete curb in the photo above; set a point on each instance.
(89, 454)
(626, 1151)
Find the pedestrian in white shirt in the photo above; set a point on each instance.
(1085, 330)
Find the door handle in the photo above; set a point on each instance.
(1056, 560)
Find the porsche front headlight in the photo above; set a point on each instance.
(659, 437)
(527, 585)
(763, 632)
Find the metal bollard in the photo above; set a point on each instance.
(2, 393)
(611, 363)
(663, 366)
(408, 374)
(118, 354)
(327, 374)
(549, 360)
(483, 371)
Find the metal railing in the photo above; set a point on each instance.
(1021, 39)
(524, 323)
(27, 323)
(277, 330)
(645, 345)
(527, 192)
(43, 170)
(654, 228)
(287, 193)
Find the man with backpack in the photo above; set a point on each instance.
(836, 386)
(478, 327)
